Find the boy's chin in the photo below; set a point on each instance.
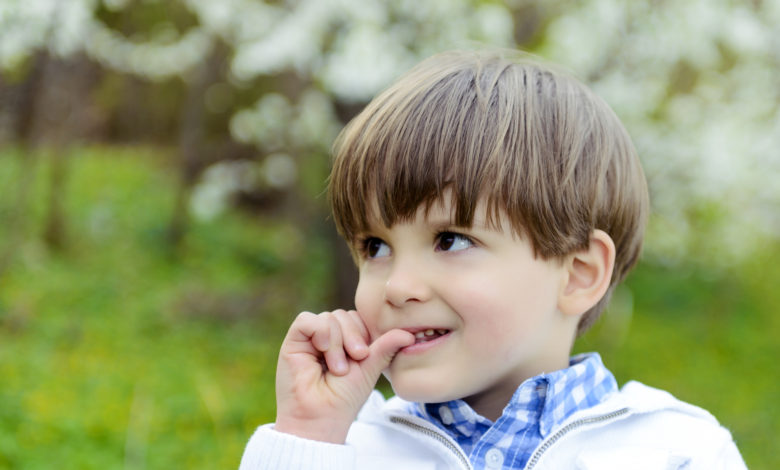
(423, 393)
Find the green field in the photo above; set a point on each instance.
(119, 352)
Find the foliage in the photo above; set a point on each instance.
(693, 80)
(695, 83)
(121, 354)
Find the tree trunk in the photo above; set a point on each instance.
(54, 233)
(192, 141)
(25, 100)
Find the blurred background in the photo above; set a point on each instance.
(162, 219)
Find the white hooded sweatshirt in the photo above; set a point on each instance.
(638, 428)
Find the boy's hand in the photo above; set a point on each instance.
(326, 370)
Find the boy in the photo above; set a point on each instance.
(491, 204)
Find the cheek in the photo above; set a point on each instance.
(364, 296)
(498, 308)
(368, 300)
(483, 309)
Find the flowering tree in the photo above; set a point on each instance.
(697, 84)
(694, 81)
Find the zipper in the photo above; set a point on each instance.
(436, 436)
(567, 429)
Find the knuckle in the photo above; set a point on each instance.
(325, 316)
(342, 317)
(303, 316)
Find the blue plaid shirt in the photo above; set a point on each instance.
(537, 406)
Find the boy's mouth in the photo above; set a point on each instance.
(428, 335)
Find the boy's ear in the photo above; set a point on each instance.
(588, 275)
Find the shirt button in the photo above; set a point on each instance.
(446, 415)
(494, 458)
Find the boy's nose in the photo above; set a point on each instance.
(406, 284)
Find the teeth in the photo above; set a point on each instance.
(429, 333)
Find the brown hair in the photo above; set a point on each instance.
(538, 145)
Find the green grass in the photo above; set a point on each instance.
(119, 353)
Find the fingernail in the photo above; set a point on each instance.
(341, 366)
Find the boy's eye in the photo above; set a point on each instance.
(449, 241)
(375, 248)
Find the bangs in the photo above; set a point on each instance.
(415, 143)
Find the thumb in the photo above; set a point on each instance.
(383, 350)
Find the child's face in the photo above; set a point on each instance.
(486, 308)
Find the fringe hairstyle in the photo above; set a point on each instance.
(536, 144)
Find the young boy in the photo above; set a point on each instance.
(491, 204)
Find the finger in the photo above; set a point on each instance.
(317, 330)
(354, 334)
(335, 357)
(308, 331)
(383, 350)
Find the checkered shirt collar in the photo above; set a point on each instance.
(584, 384)
(540, 403)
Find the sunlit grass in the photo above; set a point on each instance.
(117, 353)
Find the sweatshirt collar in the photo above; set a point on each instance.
(545, 401)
